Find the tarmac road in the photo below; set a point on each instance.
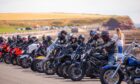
(10, 74)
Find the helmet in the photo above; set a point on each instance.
(9, 38)
(14, 38)
(105, 35)
(34, 39)
(90, 32)
(73, 37)
(81, 37)
(29, 36)
(63, 32)
(18, 37)
(93, 33)
(48, 38)
(43, 37)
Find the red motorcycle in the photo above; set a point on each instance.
(1, 58)
(5, 53)
(15, 54)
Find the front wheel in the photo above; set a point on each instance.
(64, 69)
(7, 59)
(18, 61)
(1, 59)
(25, 63)
(76, 73)
(59, 71)
(106, 76)
(49, 68)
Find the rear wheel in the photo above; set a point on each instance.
(14, 61)
(18, 61)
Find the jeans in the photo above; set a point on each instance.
(120, 49)
(111, 59)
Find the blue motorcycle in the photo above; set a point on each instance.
(126, 69)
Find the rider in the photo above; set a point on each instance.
(62, 37)
(10, 40)
(47, 41)
(81, 43)
(94, 40)
(73, 43)
(19, 40)
(109, 46)
(1, 40)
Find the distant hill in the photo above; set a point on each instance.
(62, 19)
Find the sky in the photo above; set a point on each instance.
(105, 7)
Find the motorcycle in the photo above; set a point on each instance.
(16, 52)
(57, 57)
(6, 52)
(38, 63)
(62, 70)
(90, 63)
(1, 58)
(126, 69)
(27, 58)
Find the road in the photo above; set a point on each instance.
(10, 74)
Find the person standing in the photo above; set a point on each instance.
(119, 38)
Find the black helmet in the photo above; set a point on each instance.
(18, 37)
(63, 32)
(34, 39)
(9, 38)
(29, 36)
(105, 35)
(48, 38)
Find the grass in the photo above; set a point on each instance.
(7, 29)
(10, 29)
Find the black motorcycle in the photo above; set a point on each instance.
(74, 57)
(91, 62)
(58, 56)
